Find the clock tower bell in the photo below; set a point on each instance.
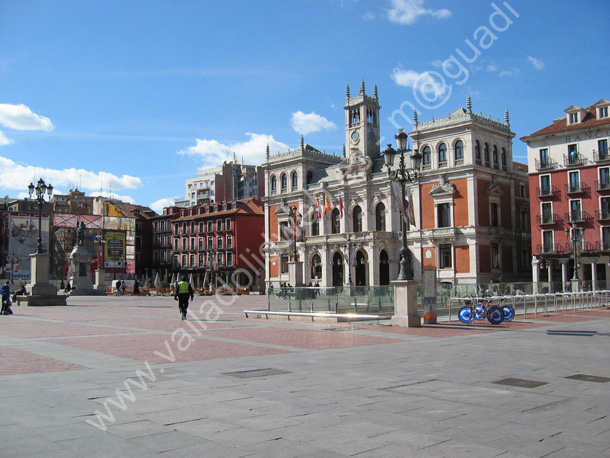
(362, 123)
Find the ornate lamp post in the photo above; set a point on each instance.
(349, 246)
(39, 191)
(574, 239)
(295, 221)
(403, 175)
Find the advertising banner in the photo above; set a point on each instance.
(114, 255)
(23, 241)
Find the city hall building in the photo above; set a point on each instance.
(336, 219)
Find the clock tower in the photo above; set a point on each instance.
(362, 122)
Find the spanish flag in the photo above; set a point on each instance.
(326, 204)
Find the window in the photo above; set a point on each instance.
(494, 217)
(523, 220)
(572, 154)
(573, 118)
(546, 209)
(283, 230)
(315, 226)
(210, 226)
(442, 155)
(176, 229)
(200, 245)
(495, 256)
(357, 219)
(605, 207)
(183, 260)
(201, 260)
(220, 259)
(229, 241)
(574, 181)
(218, 225)
(477, 152)
(184, 227)
(443, 215)
(604, 178)
(495, 157)
(163, 257)
(176, 261)
(309, 176)
(575, 210)
(273, 184)
(176, 246)
(192, 227)
(602, 148)
(426, 156)
(444, 256)
(184, 244)
(380, 217)
(486, 153)
(192, 260)
(210, 243)
(156, 257)
(545, 185)
(229, 258)
(284, 264)
(606, 237)
(219, 242)
(193, 244)
(138, 242)
(228, 224)
(603, 112)
(316, 267)
(459, 151)
(201, 227)
(284, 179)
(544, 157)
(503, 158)
(335, 222)
(295, 180)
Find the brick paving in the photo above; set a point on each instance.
(318, 389)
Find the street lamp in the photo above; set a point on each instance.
(349, 246)
(39, 191)
(574, 239)
(403, 175)
(295, 221)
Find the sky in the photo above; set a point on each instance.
(129, 98)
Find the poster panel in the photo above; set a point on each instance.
(23, 241)
(114, 250)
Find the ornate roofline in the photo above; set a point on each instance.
(307, 152)
(461, 116)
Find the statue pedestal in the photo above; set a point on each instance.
(80, 262)
(405, 304)
(40, 291)
(100, 281)
(295, 273)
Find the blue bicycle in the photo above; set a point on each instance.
(480, 311)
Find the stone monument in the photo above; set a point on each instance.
(80, 263)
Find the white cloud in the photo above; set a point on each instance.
(20, 117)
(253, 151)
(162, 203)
(308, 123)
(424, 82)
(406, 12)
(537, 63)
(492, 67)
(15, 176)
(368, 16)
(4, 140)
(513, 72)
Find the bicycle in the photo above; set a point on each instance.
(480, 311)
(509, 311)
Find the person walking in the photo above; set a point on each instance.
(5, 291)
(183, 291)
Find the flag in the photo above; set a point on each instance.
(410, 210)
(318, 210)
(341, 206)
(401, 204)
(326, 204)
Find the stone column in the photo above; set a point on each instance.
(564, 273)
(405, 304)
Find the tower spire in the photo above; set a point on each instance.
(347, 92)
(506, 117)
(362, 88)
(415, 120)
(376, 93)
(302, 143)
(469, 104)
(267, 153)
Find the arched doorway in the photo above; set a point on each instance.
(316, 268)
(337, 269)
(384, 268)
(360, 269)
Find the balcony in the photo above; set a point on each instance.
(545, 164)
(577, 188)
(575, 217)
(547, 219)
(601, 156)
(549, 248)
(602, 186)
(547, 191)
(574, 159)
(602, 215)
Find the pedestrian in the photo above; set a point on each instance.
(118, 287)
(123, 288)
(5, 291)
(136, 288)
(184, 290)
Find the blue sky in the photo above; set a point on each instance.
(132, 97)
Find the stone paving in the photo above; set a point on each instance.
(124, 376)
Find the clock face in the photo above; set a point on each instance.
(372, 137)
(355, 136)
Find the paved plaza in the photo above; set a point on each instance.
(125, 377)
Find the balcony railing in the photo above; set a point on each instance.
(601, 215)
(545, 164)
(602, 185)
(549, 248)
(574, 159)
(577, 188)
(547, 219)
(577, 217)
(601, 156)
(547, 191)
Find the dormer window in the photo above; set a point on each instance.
(572, 118)
(602, 112)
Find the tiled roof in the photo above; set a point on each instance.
(561, 125)
(252, 207)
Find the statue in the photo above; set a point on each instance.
(80, 233)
